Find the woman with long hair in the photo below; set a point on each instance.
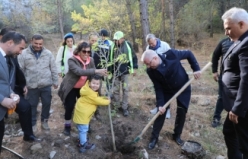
(81, 66)
(64, 53)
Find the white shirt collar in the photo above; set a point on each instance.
(3, 52)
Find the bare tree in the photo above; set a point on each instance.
(60, 17)
(132, 22)
(144, 20)
(171, 11)
(163, 20)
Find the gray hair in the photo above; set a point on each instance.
(150, 36)
(236, 15)
(148, 54)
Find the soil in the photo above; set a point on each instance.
(126, 129)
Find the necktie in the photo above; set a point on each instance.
(8, 62)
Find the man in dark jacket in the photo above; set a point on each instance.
(124, 62)
(168, 76)
(235, 83)
(218, 53)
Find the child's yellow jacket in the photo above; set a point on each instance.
(87, 103)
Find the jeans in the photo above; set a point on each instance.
(82, 132)
(33, 96)
(219, 104)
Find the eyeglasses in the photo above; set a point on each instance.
(84, 52)
(150, 63)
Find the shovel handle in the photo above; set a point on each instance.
(174, 97)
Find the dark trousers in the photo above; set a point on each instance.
(179, 122)
(34, 95)
(23, 109)
(219, 104)
(2, 127)
(70, 102)
(236, 137)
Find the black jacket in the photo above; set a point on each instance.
(18, 82)
(219, 52)
(170, 76)
(235, 77)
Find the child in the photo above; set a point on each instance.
(85, 107)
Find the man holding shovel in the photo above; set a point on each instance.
(168, 76)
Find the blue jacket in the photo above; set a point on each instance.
(170, 76)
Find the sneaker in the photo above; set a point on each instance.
(34, 128)
(168, 115)
(125, 112)
(154, 111)
(215, 123)
(44, 125)
(86, 146)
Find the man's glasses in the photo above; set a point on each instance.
(84, 52)
(151, 61)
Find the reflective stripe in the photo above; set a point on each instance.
(129, 55)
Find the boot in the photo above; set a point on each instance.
(179, 123)
(178, 139)
(67, 130)
(152, 143)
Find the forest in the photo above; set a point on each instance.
(175, 21)
(184, 24)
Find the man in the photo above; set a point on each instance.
(219, 51)
(159, 47)
(100, 49)
(104, 38)
(23, 108)
(168, 76)
(39, 68)
(11, 44)
(235, 83)
(156, 44)
(93, 38)
(121, 69)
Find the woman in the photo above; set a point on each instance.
(81, 65)
(65, 52)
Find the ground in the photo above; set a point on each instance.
(126, 129)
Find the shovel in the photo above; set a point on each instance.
(12, 151)
(167, 104)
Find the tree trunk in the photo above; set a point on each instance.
(60, 17)
(132, 22)
(163, 36)
(144, 20)
(172, 36)
(211, 21)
